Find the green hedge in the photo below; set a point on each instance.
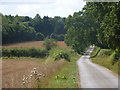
(24, 52)
(95, 52)
(114, 57)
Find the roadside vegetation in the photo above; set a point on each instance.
(107, 58)
(67, 76)
(59, 53)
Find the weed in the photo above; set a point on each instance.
(33, 79)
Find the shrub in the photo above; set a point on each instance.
(5, 52)
(49, 43)
(58, 37)
(114, 57)
(59, 53)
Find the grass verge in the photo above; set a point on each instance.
(66, 77)
(95, 52)
(105, 61)
(103, 58)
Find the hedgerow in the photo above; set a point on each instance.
(24, 52)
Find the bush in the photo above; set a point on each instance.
(59, 53)
(25, 52)
(114, 57)
(49, 43)
(58, 37)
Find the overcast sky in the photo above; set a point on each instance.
(49, 8)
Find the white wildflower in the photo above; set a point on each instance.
(43, 75)
(35, 73)
(23, 83)
(37, 78)
(30, 75)
(26, 78)
(34, 68)
(23, 80)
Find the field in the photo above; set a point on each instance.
(14, 69)
(35, 44)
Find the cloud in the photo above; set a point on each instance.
(51, 8)
(23, 9)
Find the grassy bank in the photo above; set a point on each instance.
(105, 57)
(66, 77)
(95, 51)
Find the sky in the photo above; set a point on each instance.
(50, 8)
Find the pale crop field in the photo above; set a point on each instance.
(14, 69)
(35, 44)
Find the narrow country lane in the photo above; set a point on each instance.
(95, 76)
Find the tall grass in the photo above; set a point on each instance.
(23, 52)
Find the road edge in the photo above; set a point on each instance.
(78, 75)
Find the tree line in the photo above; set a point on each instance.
(24, 28)
(97, 23)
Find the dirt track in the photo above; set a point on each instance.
(13, 70)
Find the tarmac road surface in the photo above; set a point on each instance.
(94, 76)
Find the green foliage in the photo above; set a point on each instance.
(105, 52)
(23, 28)
(69, 73)
(49, 43)
(23, 52)
(59, 53)
(95, 52)
(114, 57)
(39, 36)
(59, 37)
(60, 77)
(108, 59)
(97, 23)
